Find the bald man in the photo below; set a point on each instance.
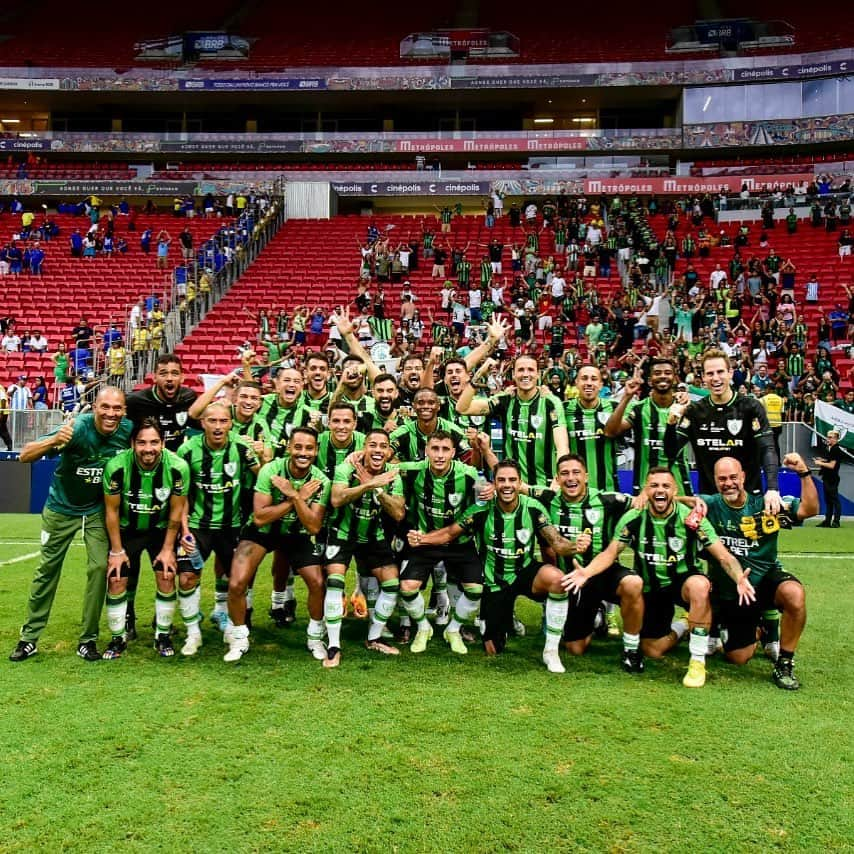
(750, 533)
(75, 501)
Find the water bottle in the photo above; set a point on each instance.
(195, 556)
(480, 483)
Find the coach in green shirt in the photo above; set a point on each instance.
(75, 501)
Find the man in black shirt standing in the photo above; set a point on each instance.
(829, 463)
(168, 401)
(725, 424)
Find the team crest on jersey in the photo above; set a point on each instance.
(230, 468)
(331, 551)
(162, 493)
(455, 498)
(734, 426)
(676, 543)
(478, 420)
(536, 421)
(593, 516)
(523, 535)
(180, 418)
(602, 418)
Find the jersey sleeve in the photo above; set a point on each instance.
(180, 477)
(114, 476)
(323, 495)
(497, 404)
(556, 414)
(473, 519)
(396, 487)
(539, 516)
(627, 528)
(263, 483)
(706, 534)
(250, 458)
(343, 473)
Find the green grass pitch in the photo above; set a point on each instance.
(442, 753)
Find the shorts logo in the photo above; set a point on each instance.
(331, 551)
(523, 535)
(230, 468)
(45, 536)
(162, 492)
(592, 516)
(536, 421)
(734, 426)
(455, 498)
(180, 418)
(676, 543)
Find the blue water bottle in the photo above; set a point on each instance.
(195, 556)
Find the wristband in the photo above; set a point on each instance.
(117, 554)
(803, 474)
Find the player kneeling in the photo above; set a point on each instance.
(666, 558)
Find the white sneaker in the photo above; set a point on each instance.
(551, 658)
(237, 648)
(317, 648)
(715, 646)
(193, 643)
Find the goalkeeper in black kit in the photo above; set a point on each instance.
(726, 424)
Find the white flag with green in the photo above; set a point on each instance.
(829, 417)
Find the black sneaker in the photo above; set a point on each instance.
(834, 524)
(403, 634)
(277, 615)
(163, 645)
(632, 660)
(290, 609)
(783, 675)
(115, 648)
(88, 651)
(824, 524)
(23, 651)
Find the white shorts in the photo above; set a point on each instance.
(844, 250)
(544, 322)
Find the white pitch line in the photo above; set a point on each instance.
(19, 558)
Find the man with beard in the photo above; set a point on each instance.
(667, 560)
(365, 494)
(168, 400)
(506, 530)
(383, 415)
(646, 420)
(75, 501)
(288, 511)
(317, 394)
(588, 517)
(750, 533)
(145, 495)
(586, 417)
(532, 419)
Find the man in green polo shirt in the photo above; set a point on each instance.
(75, 501)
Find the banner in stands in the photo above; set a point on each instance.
(236, 146)
(829, 417)
(24, 144)
(537, 81)
(770, 132)
(692, 184)
(114, 188)
(412, 188)
(253, 84)
(793, 72)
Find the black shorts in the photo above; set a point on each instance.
(368, 556)
(659, 607)
(134, 545)
(582, 608)
(742, 621)
(496, 606)
(222, 543)
(300, 549)
(461, 563)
